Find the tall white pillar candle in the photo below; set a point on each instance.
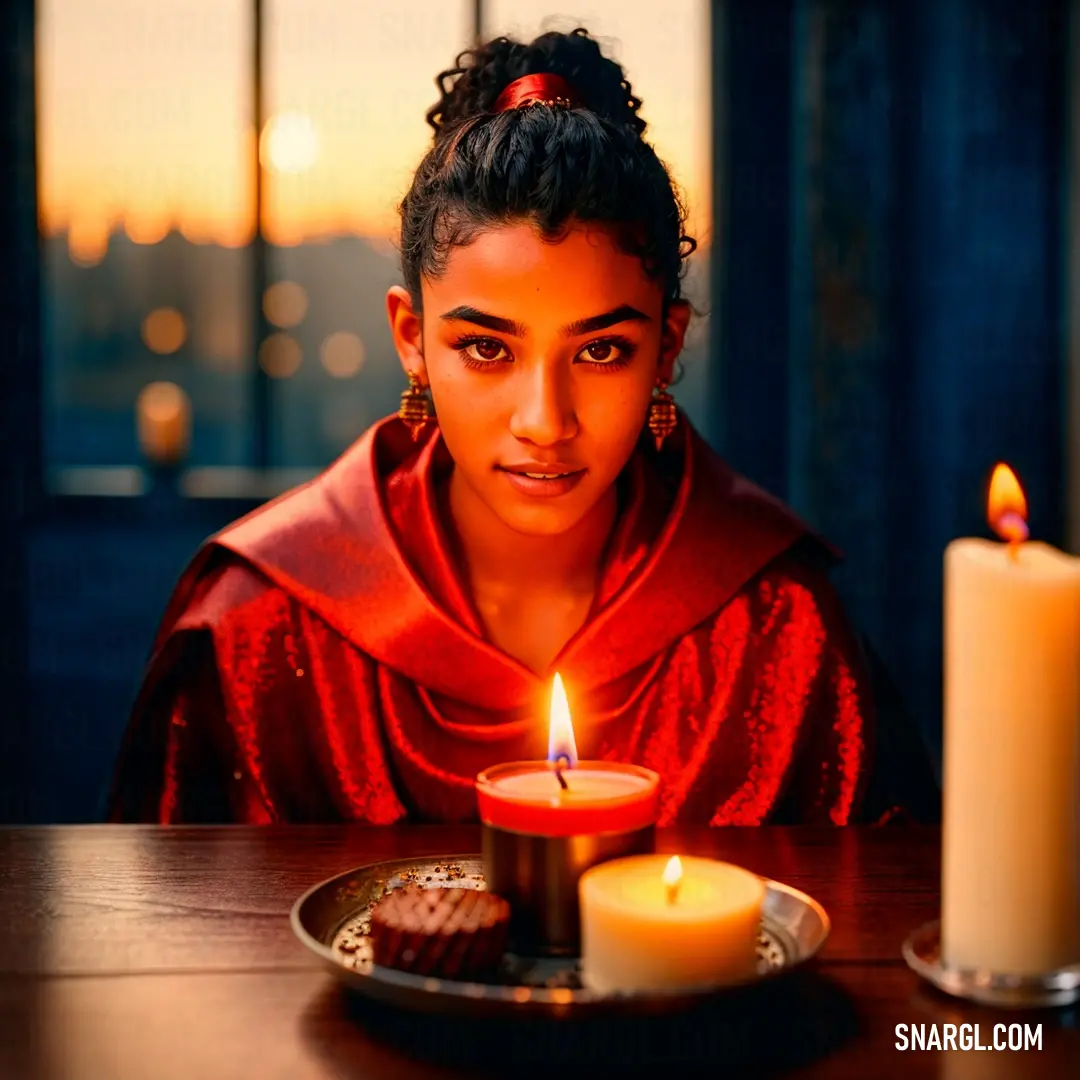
(1011, 830)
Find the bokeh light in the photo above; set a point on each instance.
(88, 241)
(220, 340)
(145, 227)
(164, 330)
(342, 354)
(285, 304)
(163, 422)
(289, 143)
(280, 356)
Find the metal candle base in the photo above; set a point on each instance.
(538, 877)
(922, 951)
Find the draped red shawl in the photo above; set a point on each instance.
(321, 659)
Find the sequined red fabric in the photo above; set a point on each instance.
(321, 659)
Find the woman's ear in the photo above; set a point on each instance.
(672, 337)
(407, 331)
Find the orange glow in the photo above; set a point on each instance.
(285, 304)
(1006, 507)
(280, 356)
(164, 330)
(144, 228)
(162, 402)
(163, 422)
(145, 124)
(561, 743)
(88, 240)
(342, 354)
(289, 144)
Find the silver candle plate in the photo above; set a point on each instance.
(332, 920)
(922, 951)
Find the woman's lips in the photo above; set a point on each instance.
(543, 481)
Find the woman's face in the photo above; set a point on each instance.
(541, 358)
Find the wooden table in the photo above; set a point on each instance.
(146, 953)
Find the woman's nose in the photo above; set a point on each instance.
(543, 408)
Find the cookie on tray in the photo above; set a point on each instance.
(444, 933)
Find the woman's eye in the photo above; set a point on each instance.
(485, 351)
(602, 352)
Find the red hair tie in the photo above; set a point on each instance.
(542, 89)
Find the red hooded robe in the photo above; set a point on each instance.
(321, 659)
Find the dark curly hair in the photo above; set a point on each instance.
(550, 166)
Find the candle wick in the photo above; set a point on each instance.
(1014, 550)
(558, 771)
(672, 892)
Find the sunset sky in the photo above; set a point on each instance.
(145, 111)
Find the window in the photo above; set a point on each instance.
(272, 343)
(146, 207)
(347, 87)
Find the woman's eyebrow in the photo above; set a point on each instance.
(482, 318)
(623, 313)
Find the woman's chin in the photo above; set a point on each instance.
(547, 517)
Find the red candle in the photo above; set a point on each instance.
(562, 797)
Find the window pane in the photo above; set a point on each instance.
(347, 88)
(665, 51)
(146, 203)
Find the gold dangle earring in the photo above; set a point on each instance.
(663, 414)
(415, 408)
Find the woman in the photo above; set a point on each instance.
(362, 647)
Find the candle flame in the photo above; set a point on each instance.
(673, 871)
(672, 878)
(561, 742)
(1006, 507)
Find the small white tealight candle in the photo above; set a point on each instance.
(650, 922)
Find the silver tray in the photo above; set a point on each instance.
(922, 951)
(331, 919)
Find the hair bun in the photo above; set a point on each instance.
(473, 86)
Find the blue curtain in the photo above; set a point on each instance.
(891, 298)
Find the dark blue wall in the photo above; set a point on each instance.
(893, 301)
(96, 592)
